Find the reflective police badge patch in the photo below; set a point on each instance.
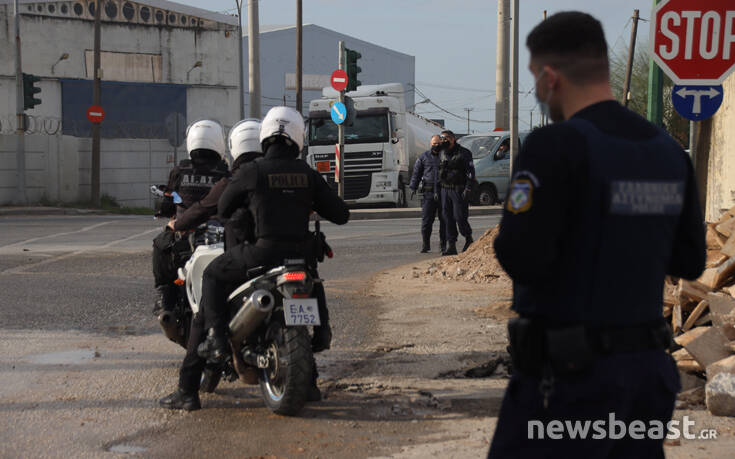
(520, 196)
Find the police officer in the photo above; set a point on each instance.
(280, 191)
(426, 172)
(601, 207)
(456, 176)
(191, 180)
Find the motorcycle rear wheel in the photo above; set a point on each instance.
(285, 383)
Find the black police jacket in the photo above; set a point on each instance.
(192, 181)
(600, 209)
(457, 167)
(425, 168)
(280, 192)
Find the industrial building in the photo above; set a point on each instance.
(320, 57)
(163, 65)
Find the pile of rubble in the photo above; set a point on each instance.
(702, 315)
(478, 264)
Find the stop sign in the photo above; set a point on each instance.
(694, 42)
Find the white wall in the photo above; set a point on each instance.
(721, 183)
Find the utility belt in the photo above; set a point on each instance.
(426, 187)
(538, 350)
(283, 244)
(457, 188)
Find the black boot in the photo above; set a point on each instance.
(467, 243)
(180, 400)
(426, 247)
(214, 349)
(322, 339)
(443, 246)
(451, 249)
(166, 300)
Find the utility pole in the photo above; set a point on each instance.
(514, 90)
(299, 55)
(239, 58)
(655, 90)
(254, 58)
(97, 89)
(20, 140)
(502, 52)
(531, 119)
(631, 58)
(468, 110)
(543, 115)
(341, 131)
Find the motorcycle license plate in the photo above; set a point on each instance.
(301, 311)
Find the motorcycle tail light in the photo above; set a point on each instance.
(294, 276)
(300, 295)
(179, 282)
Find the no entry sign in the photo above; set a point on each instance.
(339, 80)
(694, 42)
(95, 114)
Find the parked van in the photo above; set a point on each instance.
(492, 164)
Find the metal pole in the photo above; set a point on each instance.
(341, 130)
(502, 53)
(631, 58)
(514, 91)
(468, 110)
(254, 58)
(299, 56)
(97, 89)
(693, 142)
(239, 59)
(531, 119)
(20, 140)
(655, 91)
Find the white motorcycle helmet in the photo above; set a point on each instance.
(283, 122)
(245, 138)
(205, 135)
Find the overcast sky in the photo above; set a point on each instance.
(453, 41)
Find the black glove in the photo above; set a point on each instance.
(465, 194)
(413, 193)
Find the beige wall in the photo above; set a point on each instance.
(721, 167)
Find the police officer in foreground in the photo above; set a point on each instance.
(456, 176)
(244, 142)
(192, 179)
(426, 178)
(601, 207)
(280, 191)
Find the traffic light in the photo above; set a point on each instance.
(352, 69)
(30, 90)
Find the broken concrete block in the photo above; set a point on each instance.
(709, 347)
(726, 365)
(720, 306)
(720, 395)
(690, 381)
(691, 398)
(686, 338)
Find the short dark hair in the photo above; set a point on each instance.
(449, 133)
(574, 43)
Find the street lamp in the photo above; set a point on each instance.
(425, 101)
(196, 64)
(62, 58)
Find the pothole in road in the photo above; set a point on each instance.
(126, 449)
(498, 366)
(76, 356)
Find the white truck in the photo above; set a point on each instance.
(380, 147)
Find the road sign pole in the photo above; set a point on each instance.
(20, 146)
(341, 132)
(693, 142)
(97, 89)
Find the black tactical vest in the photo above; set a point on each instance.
(194, 182)
(453, 169)
(282, 199)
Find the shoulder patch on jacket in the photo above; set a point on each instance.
(520, 196)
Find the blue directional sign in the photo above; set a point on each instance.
(339, 112)
(697, 103)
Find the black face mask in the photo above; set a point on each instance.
(435, 148)
(445, 144)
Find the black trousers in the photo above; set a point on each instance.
(634, 386)
(456, 214)
(165, 257)
(190, 373)
(430, 208)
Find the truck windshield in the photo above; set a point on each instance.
(366, 129)
(479, 145)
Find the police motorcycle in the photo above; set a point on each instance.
(269, 319)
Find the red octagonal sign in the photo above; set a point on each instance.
(694, 41)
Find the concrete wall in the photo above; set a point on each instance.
(720, 142)
(278, 57)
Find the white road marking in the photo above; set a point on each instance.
(28, 241)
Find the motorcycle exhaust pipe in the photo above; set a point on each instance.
(251, 314)
(167, 321)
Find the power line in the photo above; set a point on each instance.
(456, 88)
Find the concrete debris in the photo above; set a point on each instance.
(702, 315)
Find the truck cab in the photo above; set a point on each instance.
(492, 164)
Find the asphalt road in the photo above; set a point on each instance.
(67, 280)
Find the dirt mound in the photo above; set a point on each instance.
(478, 264)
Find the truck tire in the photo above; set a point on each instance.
(487, 195)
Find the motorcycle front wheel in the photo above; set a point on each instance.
(286, 381)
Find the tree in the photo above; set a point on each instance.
(675, 124)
